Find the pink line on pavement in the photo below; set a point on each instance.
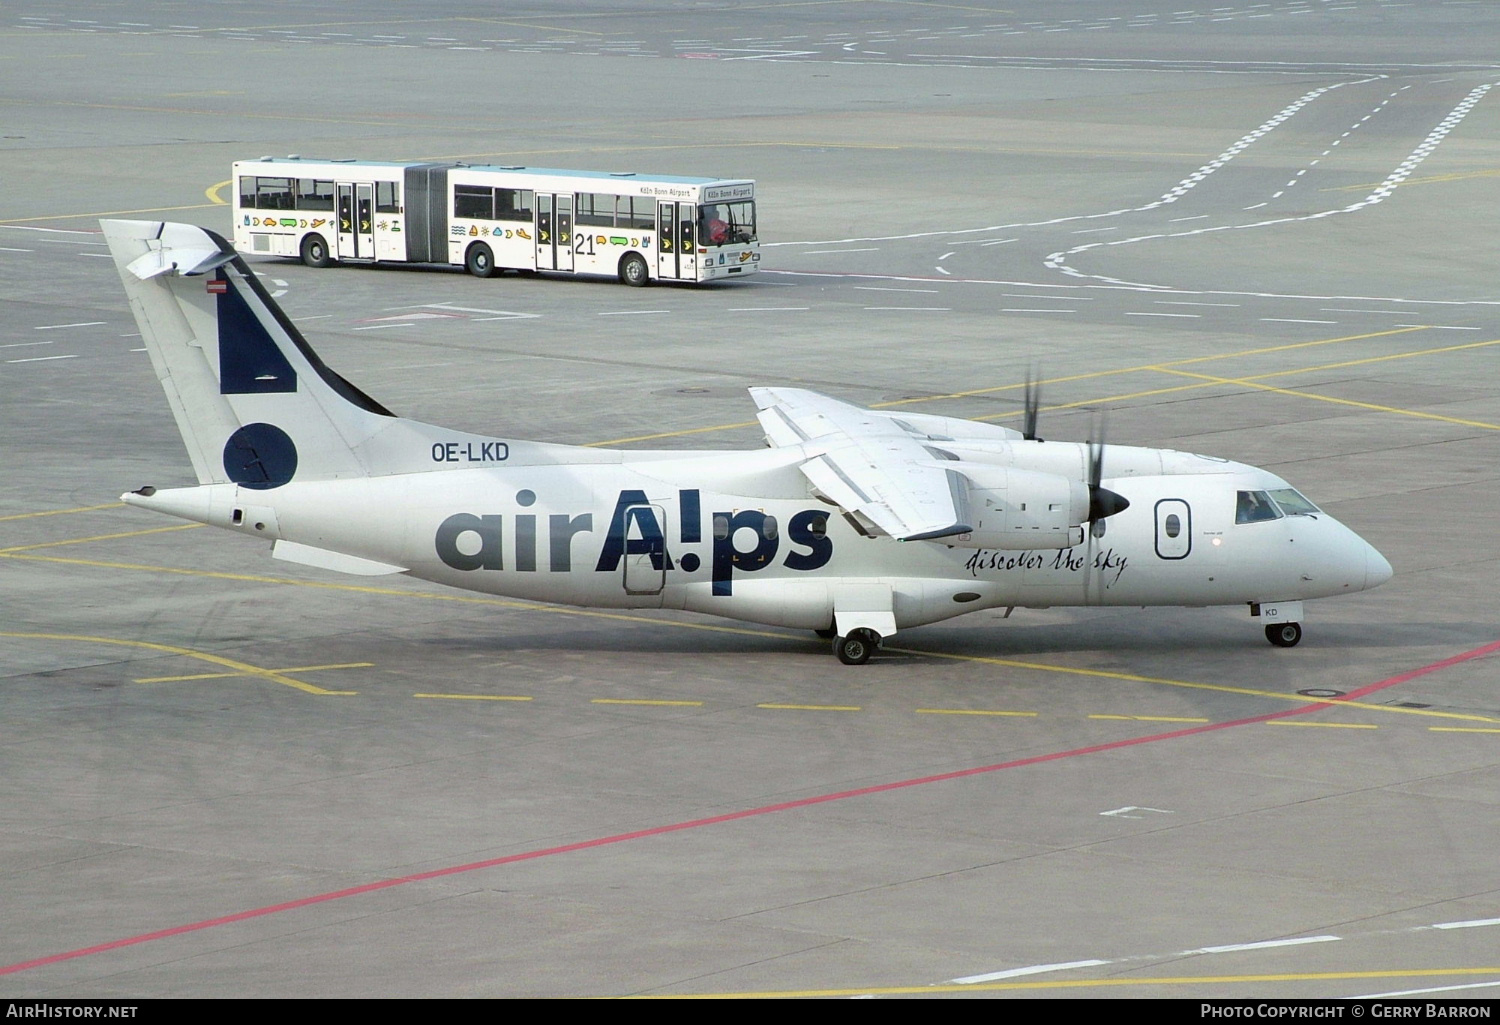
(769, 809)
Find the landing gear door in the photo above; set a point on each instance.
(1174, 529)
(645, 550)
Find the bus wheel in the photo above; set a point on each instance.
(633, 271)
(479, 260)
(315, 251)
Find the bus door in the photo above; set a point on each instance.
(554, 232)
(356, 228)
(675, 258)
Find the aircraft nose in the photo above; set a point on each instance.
(1377, 568)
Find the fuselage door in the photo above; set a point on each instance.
(1174, 529)
(645, 550)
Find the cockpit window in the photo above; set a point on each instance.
(1292, 503)
(1255, 506)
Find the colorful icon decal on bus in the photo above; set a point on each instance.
(521, 232)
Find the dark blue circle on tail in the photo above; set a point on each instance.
(260, 456)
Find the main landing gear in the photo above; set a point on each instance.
(856, 648)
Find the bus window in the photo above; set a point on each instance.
(387, 198)
(722, 223)
(314, 194)
(474, 201)
(274, 194)
(513, 204)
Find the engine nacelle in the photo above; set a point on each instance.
(1014, 509)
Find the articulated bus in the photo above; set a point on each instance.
(639, 228)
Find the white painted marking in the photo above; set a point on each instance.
(1264, 945)
(55, 231)
(1475, 923)
(1189, 302)
(1124, 813)
(55, 327)
(823, 252)
(1294, 320)
(23, 345)
(102, 256)
(39, 359)
(1192, 315)
(934, 309)
(379, 327)
(940, 270)
(1419, 992)
(498, 314)
(1009, 309)
(631, 313)
(883, 288)
(13, 249)
(1441, 327)
(946, 255)
(1037, 969)
(1195, 217)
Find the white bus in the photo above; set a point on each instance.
(640, 228)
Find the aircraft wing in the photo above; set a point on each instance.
(868, 464)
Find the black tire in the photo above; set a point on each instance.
(1284, 635)
(480, 261)
(856, 649)
(315, 251)
(633, 271)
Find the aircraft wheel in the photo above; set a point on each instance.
(315, 251)
(1284, 635)
(856, 649)
(479, 261)
(633, 271)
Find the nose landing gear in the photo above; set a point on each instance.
(1284, 635)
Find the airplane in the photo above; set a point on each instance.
(851, 522)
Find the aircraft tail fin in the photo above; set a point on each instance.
(253, 401)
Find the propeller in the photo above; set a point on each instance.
(1033, 403)
(1102, 501)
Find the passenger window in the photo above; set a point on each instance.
(721, 526)
(1254, 507)
(1172, 526)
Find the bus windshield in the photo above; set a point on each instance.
(723, 223)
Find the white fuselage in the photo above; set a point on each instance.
(739, 534)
